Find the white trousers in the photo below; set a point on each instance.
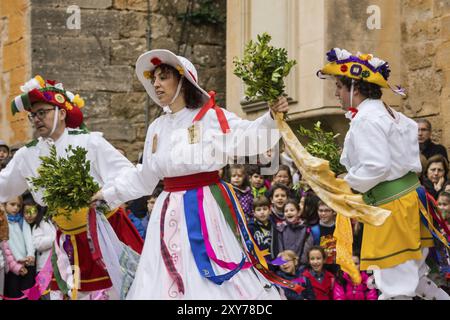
(407, 280)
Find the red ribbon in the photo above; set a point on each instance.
(211, 104)
(354, 111)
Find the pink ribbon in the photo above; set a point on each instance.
(42, 281)
(209, 249)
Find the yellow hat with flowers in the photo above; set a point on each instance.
(363, 67)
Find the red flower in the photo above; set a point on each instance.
(344, 68)
(156, 61)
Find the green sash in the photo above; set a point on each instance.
(388, 191)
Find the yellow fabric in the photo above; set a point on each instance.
(398, 239)
(343, 233)
(76, 274)
(333, 68)
(336, 193)
(77, 222)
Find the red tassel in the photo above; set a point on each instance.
(211, 104)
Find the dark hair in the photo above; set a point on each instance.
(192, 96)
(275, 187)
(252, 169)
(286, 168)
(246, 181)
(318, 248)
(310, 209)
(444, 194)
(436, 158)
(366, 89)
(261, 201)
(293, 202)
(29, 201)
(428, 123)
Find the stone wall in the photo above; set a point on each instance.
(426, 61)
(97, 60)
(14, 67)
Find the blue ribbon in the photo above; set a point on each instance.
(197, 242)
(16, 218)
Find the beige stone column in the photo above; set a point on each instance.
(15, 67)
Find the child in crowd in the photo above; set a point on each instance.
(43, 232)
(241, 186)
(256, 181)
(22, 253)
(443, 203)
(344, 289)
(293, 234)
(260, 226)
(321, 280)
(278, 195)
(283, 176)
(323, 235)
(309, 205)
(289, 270)
(4, 150)
(4, 236)
(139, 211)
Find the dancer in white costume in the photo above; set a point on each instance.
(191, 252)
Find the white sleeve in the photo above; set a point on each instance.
(12, 182)
(26, 230)
(372, 158)
(43, 236)
(246, 137)
(134, 182)
(109, 162)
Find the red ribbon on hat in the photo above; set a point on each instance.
(211, 104)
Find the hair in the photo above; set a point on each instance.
(366, 89)
(275, 187)
(320, 249)
(13, 198)
(322, 203)
(246, 181)
(293, 202)
(191, 94)
(310, 208)
(29, 201)
(291, 255)
(444, 194)
(439, 159)
(286, 168)
(261, 201)
(428, 123)
(252, 169)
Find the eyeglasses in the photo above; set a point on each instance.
(40, 114)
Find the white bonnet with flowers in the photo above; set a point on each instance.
(147, 63)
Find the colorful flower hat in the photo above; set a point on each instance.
(364, 67)
(148, 61)
(39, 90)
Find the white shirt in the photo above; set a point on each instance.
(106, 162)
(173, 156)
(378, 147)
(43, 237)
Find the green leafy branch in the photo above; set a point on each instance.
(323, 145)
(263, 69)
(66, 182)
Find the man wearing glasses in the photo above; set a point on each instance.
(56, 116)
(427, 147)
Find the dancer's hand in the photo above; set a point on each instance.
(97, 197)
(281, 105)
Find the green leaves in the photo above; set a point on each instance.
(323, 145)
(263, 69)
(66, 182)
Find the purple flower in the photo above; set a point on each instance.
(331, 55)
(384, 70)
